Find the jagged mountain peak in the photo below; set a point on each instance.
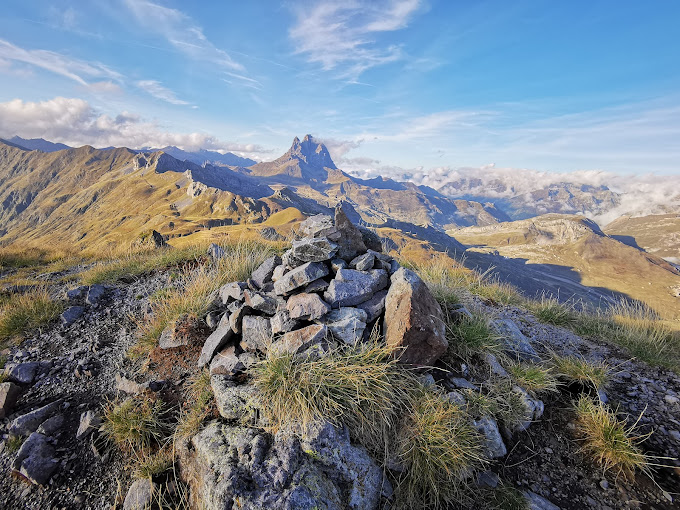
(312, 152)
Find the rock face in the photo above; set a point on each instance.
(230, 467)
(9, 393)
(413, 320)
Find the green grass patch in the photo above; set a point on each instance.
(21, 313)
(471, 336)
(499, 401)
(551, 311)
(135, 425)
(534, 378)
(574, 369)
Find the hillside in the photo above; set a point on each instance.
(658, 234)
(574, 250)
(89, 198)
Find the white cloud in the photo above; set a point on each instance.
(75, 122)
(157, 90)
(181, 31)
(341, 36)
(79, 71)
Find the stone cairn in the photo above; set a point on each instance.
(332, 287)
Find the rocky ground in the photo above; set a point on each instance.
(74, 367)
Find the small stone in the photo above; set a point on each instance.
(217, 339)
(515, 343)
(95, 294)
(263, 274)
(457, 398)
(257, 334)
(363, 262)
(604, 484)
(9, 394)
(236, 317)
(35, 459)
(72, 314)
(675, 435)
(227, 363)
(215, 251)
(260, 302)
(140, 495)
(463, 384)
(279, 271)
(537, 502)
(297, 341)
(76, 293)
(495, 367)
(338, 264)
(51, 425)
(346, 324)
(89, 422)
(488, 479)
(307, 306)
(317, 286)
(232, 291)
(129, 386)
(670, 399)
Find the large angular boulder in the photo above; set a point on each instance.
(232, 466)
(300, 276)
(233, 291)
(351, 242)
(320, 225)
(282, 322)
(26, 423)
(375, 306)
(413, 320)
(351, 287)
(23, 373)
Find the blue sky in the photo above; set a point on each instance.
(393, 87)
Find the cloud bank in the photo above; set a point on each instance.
(75, 122)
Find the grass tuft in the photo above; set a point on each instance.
(534, 378)
(200, 398)
(500, 401)
(439, 449)
(24, 312)
(575, 369)
(612, 443)
(551, 311)
(471, 336)
(149, 465)
(360, 386)
(506, 497)
(136, 424)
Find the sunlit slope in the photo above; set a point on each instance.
(657, 233)
(577, 250)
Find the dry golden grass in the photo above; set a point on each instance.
(194, 292)
(24, 312)
(612, 443)
(550, 310)
(470, 337)
(439, 449)
(136, 425)
(499, 401)
(362, 387)
(574, 369)
(200, 398)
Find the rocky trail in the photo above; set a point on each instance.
(331, 289)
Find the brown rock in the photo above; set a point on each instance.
(226, 363)
(413, 320)
(351, 242)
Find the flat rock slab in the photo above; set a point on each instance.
(351, 287)
(9, 394)
(129, 386)
(72, 314)
(140, 495)
(313, 250)
(26, 423)
(363, 262)
(320, 225)
(216, 341)
(300, 276)
(300, 340)
(515, 343)
(317, 286)
(263, 274)
(95, 294)
(307, 306)
(89, 422)
(413, 320)
(256, 334)
(23, 373)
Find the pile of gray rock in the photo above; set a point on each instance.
(332, 287)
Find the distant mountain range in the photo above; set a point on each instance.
(102, 198)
